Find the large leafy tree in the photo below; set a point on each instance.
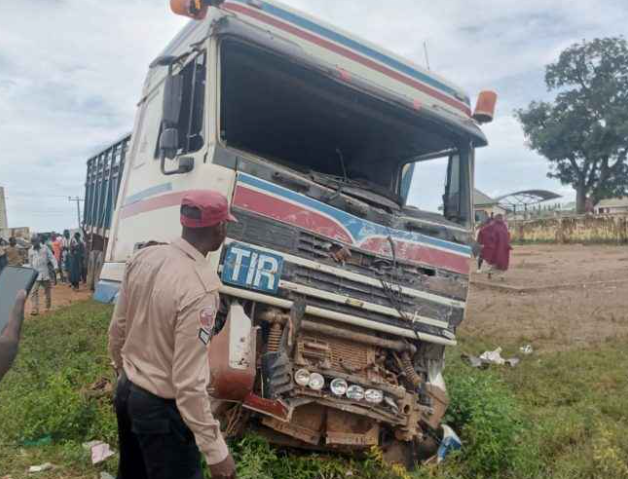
(584, 131)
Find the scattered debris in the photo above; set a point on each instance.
(493, 357)
(100, 451)
(106, 475)
(474, 361)
(490, 357)
(44, 467)
(42, 441)
(451, 442)
(527, 349)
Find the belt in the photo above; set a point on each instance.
(126, 382)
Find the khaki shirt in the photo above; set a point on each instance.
(13, 256)
(160, 333)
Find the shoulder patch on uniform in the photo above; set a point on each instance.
(204, 335)
(208, 317)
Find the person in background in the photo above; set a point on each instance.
(482, 239)
(499, 238)
(3, 255)
(57, 249)
(14, 257)
(38, 257)
(158, 340)
(77, 254)
(10, 337)
(52, 269)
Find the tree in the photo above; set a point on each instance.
(583, 133)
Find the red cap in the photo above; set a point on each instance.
(213, 208)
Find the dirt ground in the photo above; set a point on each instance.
(62, 295)
(554, 297)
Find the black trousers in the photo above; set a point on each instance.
(155, 442)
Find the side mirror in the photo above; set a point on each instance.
(173, 96)
(168, 148)
(169, 143)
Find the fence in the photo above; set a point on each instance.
(572, 229)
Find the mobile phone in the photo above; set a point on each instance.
(12, 281)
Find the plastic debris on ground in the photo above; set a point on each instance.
(488, 358)
(106, 475)
(42, 441)
(527, 349)
(451, 442)
(100, 451)
(42, 468)
(493, 357)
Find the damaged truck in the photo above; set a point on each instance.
(338, 297)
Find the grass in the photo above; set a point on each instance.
(560, 416)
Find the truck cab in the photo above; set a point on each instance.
(343, 295)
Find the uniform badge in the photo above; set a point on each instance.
(207, 317)
(205, 336)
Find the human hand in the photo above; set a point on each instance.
(224, 470)
(10, 337)
(14, 326)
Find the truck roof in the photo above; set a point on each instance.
(334, 46)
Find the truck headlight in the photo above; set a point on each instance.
(355, 392)
(339, 387)
(374, 396)
(316, 382)
(302, 377)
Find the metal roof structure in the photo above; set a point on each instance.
(522, 200)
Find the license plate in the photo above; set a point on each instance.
(252, 269)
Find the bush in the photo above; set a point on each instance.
(45, 394)
(497, 438)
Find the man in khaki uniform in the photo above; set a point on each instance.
(158, 340)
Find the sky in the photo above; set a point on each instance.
(71, 73)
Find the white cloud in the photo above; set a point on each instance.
(71, 72)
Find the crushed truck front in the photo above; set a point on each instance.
(338, 299)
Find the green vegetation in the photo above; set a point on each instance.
(557, 416)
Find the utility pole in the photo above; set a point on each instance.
(427, 57)
(78, 208)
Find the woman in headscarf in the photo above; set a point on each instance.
(77, 255)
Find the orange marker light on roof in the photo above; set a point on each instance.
(196, 9)
(485, 108)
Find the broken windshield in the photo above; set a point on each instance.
(292, 115)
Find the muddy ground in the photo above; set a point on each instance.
(555, 297)
(62, 296)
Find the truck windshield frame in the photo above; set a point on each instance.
(288, 114)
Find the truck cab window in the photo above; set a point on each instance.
(439, 185)
(191, 113)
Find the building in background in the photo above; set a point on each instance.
(4, 221)
(485, 206)
(612, 206)
(23, 233)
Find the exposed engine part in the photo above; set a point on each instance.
(276, 363)
(408, 369)
(276, 374)
(274, 337)
(399, 346)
